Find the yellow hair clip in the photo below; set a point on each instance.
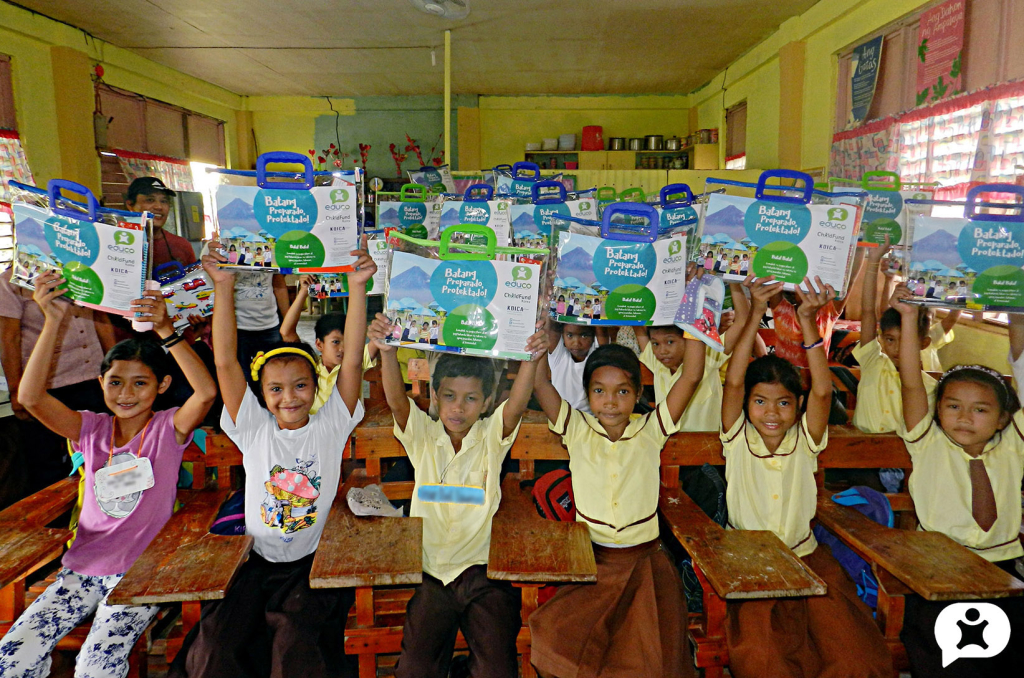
(261, 359)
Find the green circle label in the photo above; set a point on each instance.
(999, 286)
(783, 260)
(470, 326)
(876, 231)
(630, 302)
(416, 231)
(83, 283)
(299, 249)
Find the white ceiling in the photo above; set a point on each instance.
(382, 47)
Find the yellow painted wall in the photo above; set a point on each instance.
(827, 28)
(508, 123)
(287, 123)
(28, 39)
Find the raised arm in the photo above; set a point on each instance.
(522, 387)
(1016, 336)
(230, 376)
(950, 320)
(390, 372)
(545, 392)
(642, 337)
(204, 391)
(10, 359)
(291, 319)
(350, 379)
(554, 332)
(915, 397)
(869, 294)
(761, 290)
(53, 414)
(819, 399)
(280, 288)
(679, 395)
(741, 307)
(858, 262)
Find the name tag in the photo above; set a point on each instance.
(123, 479)
(451, 494)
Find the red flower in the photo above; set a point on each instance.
(337, 163)
(320, 159)
(332, 145)
(312, 153)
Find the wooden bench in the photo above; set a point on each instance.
(186, 563)
(28, 542)
(525, 550)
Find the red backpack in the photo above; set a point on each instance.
(552, 494)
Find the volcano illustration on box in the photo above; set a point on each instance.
(577, 263)
(727, 217)
(412, 282)
(388, 217)
(237, 214)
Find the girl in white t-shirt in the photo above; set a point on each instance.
(292, 463)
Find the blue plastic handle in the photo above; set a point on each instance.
(762, 180)
(676, 189)
(471, 196)
(526, 167)
(284, 157)
(53, 189)
(502, 168)
(972, 202)
(550, 200)
(648, 233)
(178, 272)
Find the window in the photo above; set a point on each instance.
(736, 136)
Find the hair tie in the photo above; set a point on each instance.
(1005, 395)
(261, 359)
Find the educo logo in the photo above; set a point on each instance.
(971, 630)
(124, 238)
(339, 195)
(522, 273)
(837, 214)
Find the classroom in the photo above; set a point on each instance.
(476, 338)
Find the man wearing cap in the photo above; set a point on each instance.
(149, 194)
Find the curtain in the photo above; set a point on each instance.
(176, 174)
(13, 163)
(959, 143)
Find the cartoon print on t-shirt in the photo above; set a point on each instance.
(290, 503)
(120, 507)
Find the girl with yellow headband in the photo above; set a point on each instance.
(292, 463)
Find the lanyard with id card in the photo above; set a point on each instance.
(471, 493)
(124, 478)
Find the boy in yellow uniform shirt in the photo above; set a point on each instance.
(879, 399)
(458, 488)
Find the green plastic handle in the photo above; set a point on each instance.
(413, 193)
(470, 229)
(881, 180)
(423, 242)
(633, 195)
(606, 193)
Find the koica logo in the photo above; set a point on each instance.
(972, 630)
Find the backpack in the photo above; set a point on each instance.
(552, 495)
(875, 506)
(230, 519)
(706, 488)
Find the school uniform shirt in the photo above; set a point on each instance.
(773, 491)
(1017, 368)
(616, 484)
(941, 487)
(326, 379)
(879, 395)
(112, 535)
(455, 536)
(704, 412)
(291, 477)
(567, 376)
(930, 356)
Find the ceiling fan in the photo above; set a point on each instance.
(445, 9)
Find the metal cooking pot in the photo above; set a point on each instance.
(636, 144)
(654, 142)
(616, 144)
(673, 144)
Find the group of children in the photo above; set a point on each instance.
(246, 257)
(590, 308)
(291, 413)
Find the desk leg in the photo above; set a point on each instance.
(711, 651)
(12, 601)
(364, 619)
(530, 594)
(891, 606)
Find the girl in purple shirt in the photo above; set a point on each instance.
(114, 529)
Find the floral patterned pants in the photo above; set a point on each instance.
(25, 650)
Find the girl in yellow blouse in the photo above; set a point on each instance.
(633, 622)
(770, 454)
(968, 456)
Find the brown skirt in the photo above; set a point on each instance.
(828, 636)
(631, 623)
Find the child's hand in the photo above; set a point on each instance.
(153, 308)
(46, 293)
(692, 271)
(378, 331)
(876, 254)
(304, 282)
(364, 267)
(210, 261)
(537, 344)
(761, 290)
(900, 296)
(813, 299)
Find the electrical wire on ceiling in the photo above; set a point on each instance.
(337, 123)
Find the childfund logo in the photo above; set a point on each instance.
(977, 630)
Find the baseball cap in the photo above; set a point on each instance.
(146, 186)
